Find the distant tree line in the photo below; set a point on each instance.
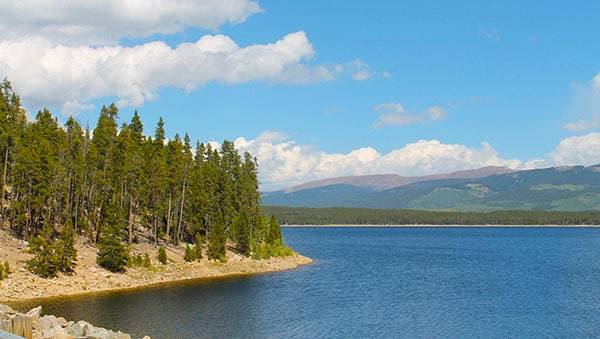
(110, 183)
(363, 216)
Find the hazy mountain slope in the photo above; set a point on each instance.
(562, 188)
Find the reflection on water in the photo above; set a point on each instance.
(380, 282)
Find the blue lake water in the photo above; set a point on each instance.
(379, 283)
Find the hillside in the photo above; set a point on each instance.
(574, 188)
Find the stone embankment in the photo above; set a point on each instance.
(32, 325)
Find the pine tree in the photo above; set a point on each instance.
(67, 253)
(241, 230)
(45, 257)
(162, 255)
(216, 240)
(112, 253)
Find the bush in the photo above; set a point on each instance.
(140, 261)
(277, 250)
(45, 257)
(190, 254)
(112, 254)
(162, 255)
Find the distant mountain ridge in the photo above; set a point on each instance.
(380, 182)
(568, 188)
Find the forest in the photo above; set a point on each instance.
(111, 184)
(365, 216)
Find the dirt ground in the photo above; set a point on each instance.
(89, 277)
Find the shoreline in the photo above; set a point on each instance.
(440, 226)
(22, 287)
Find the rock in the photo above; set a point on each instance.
(48, 321)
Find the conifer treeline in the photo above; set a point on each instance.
(109, 182)
(365, 216)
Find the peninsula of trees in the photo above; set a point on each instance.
(110, 184)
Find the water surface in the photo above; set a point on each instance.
(381, 282)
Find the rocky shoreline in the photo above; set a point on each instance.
(32, 325)
(22, 285)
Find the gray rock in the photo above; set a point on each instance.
(47, 321)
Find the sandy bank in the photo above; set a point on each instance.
(90, 278)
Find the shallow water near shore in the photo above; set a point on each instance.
(380, 282)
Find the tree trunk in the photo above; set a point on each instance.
(130, 225)
(168, 219)
(3, 187)
(181, 212)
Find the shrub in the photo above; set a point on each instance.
(162, 255)
(112, 254)
(45, 257)
(190, 254)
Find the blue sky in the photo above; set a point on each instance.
(318, 89)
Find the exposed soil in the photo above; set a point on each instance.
(89, 277)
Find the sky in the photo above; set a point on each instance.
(322, 88)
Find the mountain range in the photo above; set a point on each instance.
(566, 188)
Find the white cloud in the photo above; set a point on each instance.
(286, 163)
(585, 105)
(394, 114)
(46, 74)
(577, 150)
(101, 22)
(583, 125)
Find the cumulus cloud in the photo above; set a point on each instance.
(68, 77)
(64, 54)
(102, 22)
(286, 163)
(577, 150)
(394, 114)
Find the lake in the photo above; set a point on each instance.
(381, 282)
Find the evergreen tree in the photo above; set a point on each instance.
(216, 240)
(241, 230)
(67, 253)
(162, 255)
(274, 234)
(45, 257)
(112, 253)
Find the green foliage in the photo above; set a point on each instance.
(107, 183)
(50, 256)
(274, 231)
(189, 254)
(194, 253)
(45, 257)
(162, 255)
(265, 251)
(216, 241)
(113, 254)
(140, 261)
(241, 230)
(198, 247)
(67, 253)
(4, 270)
(363, 216)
